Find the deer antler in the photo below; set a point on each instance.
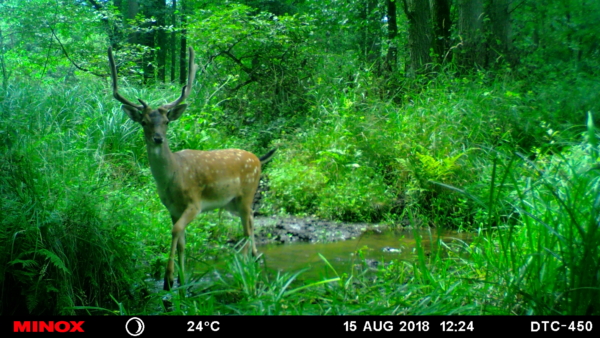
(185, 92)
(113, 72)
(187, 89)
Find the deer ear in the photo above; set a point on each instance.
(132, 112)
(176, 112)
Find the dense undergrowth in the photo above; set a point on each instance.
(81, 227)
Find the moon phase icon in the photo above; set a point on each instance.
(133, 329)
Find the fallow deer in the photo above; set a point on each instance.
(192, 181)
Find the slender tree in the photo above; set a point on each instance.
(499, 43)
(173, 43)
(392, 53)
(182, 51)
(132, 10)
(440, 12)
(160, 11)
(470, 29)
(420, 34)
(2, 61)
(369, 25)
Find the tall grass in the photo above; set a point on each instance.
(557, 251)
(63, 242)
(547, 262)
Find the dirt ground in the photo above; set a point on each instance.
(282, 230)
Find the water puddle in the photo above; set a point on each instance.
(376, 248)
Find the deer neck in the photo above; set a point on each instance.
(162, 163)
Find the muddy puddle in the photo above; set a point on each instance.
(293, 244)
(375, 248)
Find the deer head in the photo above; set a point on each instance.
(154, 121)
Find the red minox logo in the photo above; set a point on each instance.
(47, 326)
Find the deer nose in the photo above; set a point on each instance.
(157, 139)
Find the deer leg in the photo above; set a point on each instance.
(248, 224)
(178, 244)
(181, 257)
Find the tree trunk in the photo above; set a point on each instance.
(183, 51)
(160, 11)
(2, 63)
(392, 53)
(499, 43)
(132, 10)
(420, 35)
(470, 29)
(369, 31)
(441, 28)
(173, 41)
(149, 39)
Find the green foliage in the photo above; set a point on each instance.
(60, 247)
(295, 186)
(259, 65)
(366, 160)
(548, 261)
(559, 38)
(356, 197)
(561, 211)
(34, 36)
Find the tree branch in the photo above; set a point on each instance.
(71, 60)
(238, 61)
(517, 6)
(245, 83)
